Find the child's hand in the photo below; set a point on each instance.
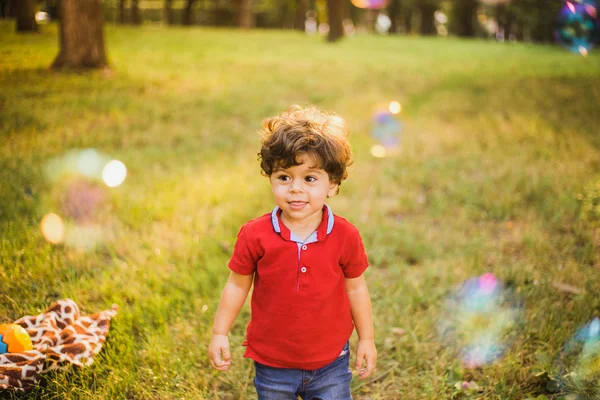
(366, 351)
(219, 345)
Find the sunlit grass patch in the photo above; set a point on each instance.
(496, 172)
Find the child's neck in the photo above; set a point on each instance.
(303, 228)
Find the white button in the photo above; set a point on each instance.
(303, 269)
(304, 247)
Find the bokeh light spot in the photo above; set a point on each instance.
(114, 173)
(395, 107)
(378, 151)
(53, 228)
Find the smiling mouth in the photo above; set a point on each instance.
(297, 204)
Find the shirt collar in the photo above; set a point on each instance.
(324, 228)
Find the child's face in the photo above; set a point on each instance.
(300, 191)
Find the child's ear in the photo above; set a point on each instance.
(333, 188)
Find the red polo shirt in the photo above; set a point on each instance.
(300, 310)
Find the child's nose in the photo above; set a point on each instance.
(296, 186)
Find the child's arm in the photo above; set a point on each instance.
(232, 299)
(360, 306)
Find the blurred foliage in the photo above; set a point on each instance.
(531, 20)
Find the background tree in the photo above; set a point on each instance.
(168, 12)
(25, 13)
(537, 18)
(407, 15)
(244, 15)
(188, 13)
(7, 8)
(335, 13)
(301, 8)
(463, 17)
(81, 35)
(136, 15)
(427, 9)
(393, 13)
(121, 13)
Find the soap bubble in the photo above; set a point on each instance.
(371, 4)
(77, 207)
(578, 364)
(578, 27)
(386, 129)
(480, 319)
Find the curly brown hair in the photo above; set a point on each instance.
(321, 135)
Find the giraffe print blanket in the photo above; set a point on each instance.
(61, 337)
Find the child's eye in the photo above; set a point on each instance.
(283, 178)
(310, 179)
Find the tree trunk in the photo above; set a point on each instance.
(136, 15)
(464, 15)
(245, 16)
(168, 12)
(81, 35)
(335, 14)
(7, 9)
(188, 13)
(25, 14)
(393, 11)
(121, 17)
(427, 18)
(408, 17)
(301, 7)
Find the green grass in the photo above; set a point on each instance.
(499, 142)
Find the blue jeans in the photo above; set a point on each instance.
(332, 382)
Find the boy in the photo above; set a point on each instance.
(307, 266)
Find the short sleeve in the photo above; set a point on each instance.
(244, 257)
(354, 261)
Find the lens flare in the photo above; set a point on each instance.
(479, 320)
(578, 27)
(53, 228)
(114, 173)
(578, 363)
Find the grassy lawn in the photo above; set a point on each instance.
(499, 151)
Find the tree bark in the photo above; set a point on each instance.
(245, 16)
(136, 15)
(25, 14)
(121, 17)
(188, 13)
(427, 18)
(464, 13)
(408, 17)
(301, 7)
(7, 9)
(335, 14)
(81, 35)
(393, 11)
(168, 12)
